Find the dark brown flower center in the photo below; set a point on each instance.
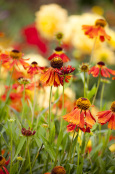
(83, 103)
(34, 64)
(101, 63)
(56, 62)
(100, 22)
(113, 106)
(15, 54)
(58, 49)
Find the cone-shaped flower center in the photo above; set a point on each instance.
(113, 106)
(58, 170)
(34, 64)
(2, 161)
(84, 67)
(15, 54)
(58, 49)
(83, 103)
(100, 23)
(59, 36)
(56, 62)
(100, 64)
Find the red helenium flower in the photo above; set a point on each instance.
(96, 30)
(108, 116)
(34, 69)
(58, 52)
(102, 69)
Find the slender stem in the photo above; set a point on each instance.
(49, 119)
(23, 104)
(78, 154)
(62, 103)
(70, 149)
(8, 94)
(92, 52)
(106, 141)
(11, 150)
(63, 93)
(96, 89)
(84, 85)
(101, 99)
(37, 155)
(34, 102)
(29, 155)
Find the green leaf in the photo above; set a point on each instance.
(48, 148)
(60, 137)
(91, 93)
(38, 142)
(52, 134)
(22, 141)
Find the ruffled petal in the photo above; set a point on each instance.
(73, 117)
(111, 124)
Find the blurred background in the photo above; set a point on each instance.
(20, 23)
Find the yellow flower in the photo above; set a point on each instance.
(97, 10)
(112, 40)
(50, 20)
(112, 148)
(104, 54)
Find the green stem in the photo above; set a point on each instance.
(78, 154)
(62, 103)
(29, 155)
(49, 119)
(101, 99)
(92, 52)
(96, 89)
(34, 102)
(84, 85)
(11, 150)
(37, 155)
(106, 141)
(23, 104)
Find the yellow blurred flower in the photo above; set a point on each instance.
(112, 40)
(98, 10)
(112, 148)
(89, 144)
(50, 19)
(104, 54)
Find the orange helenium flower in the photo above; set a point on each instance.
(96, 30)
(102, 69)
(51, 76)
(81, 115)
(14, 57)
(58, 52)
(108, 116)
